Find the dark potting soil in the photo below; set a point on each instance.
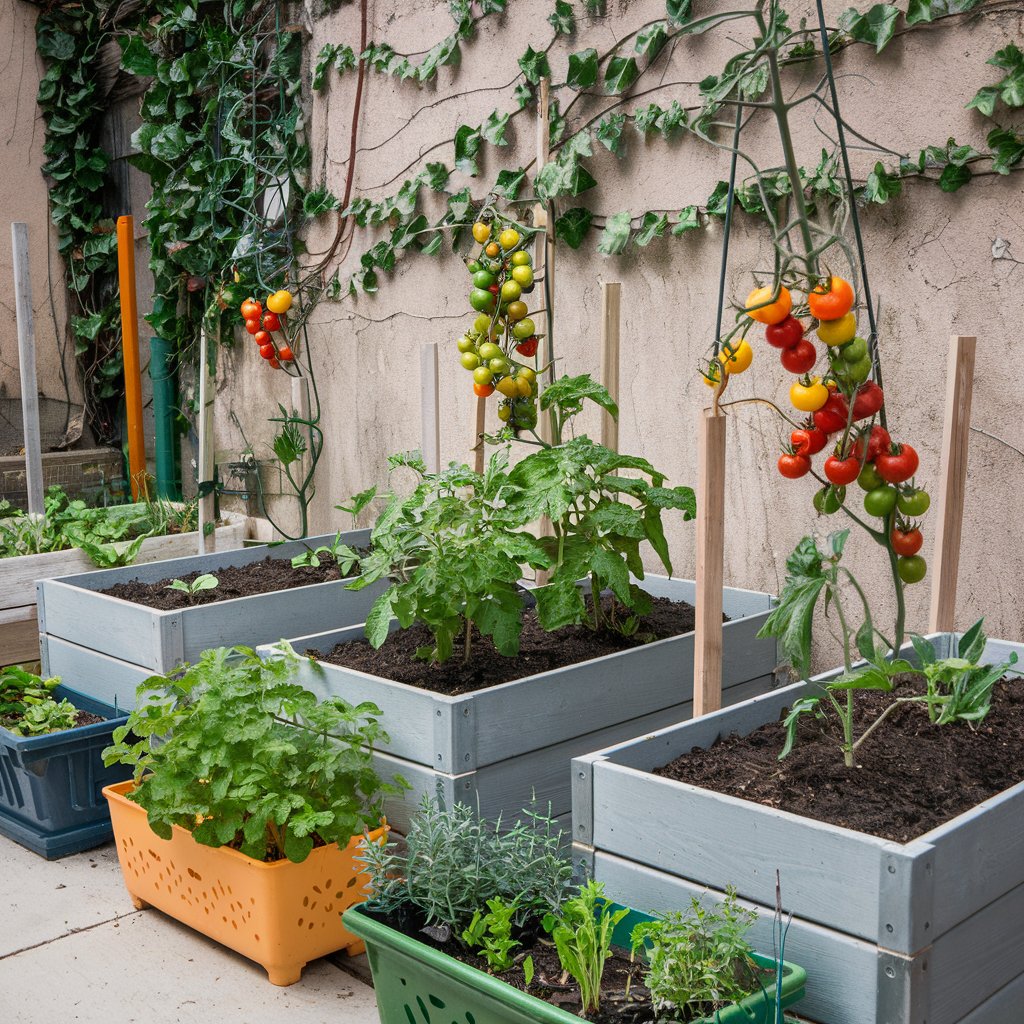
(232, 581)
(909, 775)
(82, 719)
(539, 651)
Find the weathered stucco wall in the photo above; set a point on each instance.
(23, 197)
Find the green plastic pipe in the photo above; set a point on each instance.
(165, 400)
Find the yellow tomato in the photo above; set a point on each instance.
(711, 376)
(492, 249)
(509, 238)
(523, 387)
(808, 397)
(481, 231)
(522, 276)
(507, 386)
(838, 332)
(527, 373)
(504, 413)
(280, 302)
(768, 312)
(521, 259)
(736, 357)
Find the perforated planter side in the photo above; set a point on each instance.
(50, 786)
(281, 915)
(413, 980)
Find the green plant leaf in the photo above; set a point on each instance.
(493, 129)
(927, 10)
(534, 65)
(615, 236)
(652, 226)
(650, 40)
(620, 74)
(877, 26)
(881, 186)
(467, 145)
(137, 57)
(562, 19)
(379, 618)
(573, 226)
(609, 132)
(510, 183)
(954, 177)
(686, 221)
(582, 69)
(679, 10)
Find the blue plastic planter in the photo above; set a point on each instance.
(50, 786)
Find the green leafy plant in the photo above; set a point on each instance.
(491, 933)
(238, 754)
(582, 930)
(205, 581)
(342, 555)
(454, 550)
(698, 962)
(453, 862)
(27, 707)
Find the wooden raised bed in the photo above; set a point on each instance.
(926, 932)
(502, 746)
(19, 632)
(137, 637)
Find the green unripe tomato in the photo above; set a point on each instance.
(914, 504)
(489, 351)
(483, 279)
(482, 324)
(855, 351)
(912, 568)
(465, 344)
(482, 375)
(470, 360)
(523, 276)
(521, 258)
(498, 365)
(829, 499)
(472, 266)
(510, 291)
(857, 373)
(880, 501)
(869, 479)
(524, 329)
(494, 266)
(482, 301)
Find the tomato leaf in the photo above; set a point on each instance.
(582, 69)
(573, 225)
(615, 236)
(877, 26)
(620, 74)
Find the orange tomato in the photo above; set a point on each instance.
(769, 312)
(483, 390)
(831, 300)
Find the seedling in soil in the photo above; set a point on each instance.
(204, 582)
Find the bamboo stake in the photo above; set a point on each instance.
(27, 368)
(478, 450)
(204, 455)
(707, 654)
(430, 423)
(130, 347)
(611, 294)
(952, 488)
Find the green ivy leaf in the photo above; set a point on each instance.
(510, 183)
(573, 226)
(319, 201)
(493, 129)
(137, 57)
(881, 186)
(954, 177)
(609, 132)
(523, 95)
(562, 19)
(435, 176)
(652, 226)
(679, 10)
(467, 145)
(582, 69)
(716, 204)
(615, 236)
(1007, 149)
(645, 118)
(927, 10)
(650, 40)
(985, 100)
(534, 65)
(877, 26)
(686, 221)
(620, 74)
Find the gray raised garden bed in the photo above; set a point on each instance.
(88, 635)
(926, 932)
(502, 746)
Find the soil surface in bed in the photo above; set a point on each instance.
(233, 581)
(909, 775)
(538, 651)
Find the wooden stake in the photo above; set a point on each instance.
(27, 365)
(611, 293)
(478, 449)
(204, 455)
(707, 656)
(544, 256)
(130, 348)
(300, 406)
(430, 422)
(952, 488)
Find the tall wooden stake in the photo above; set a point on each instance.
(544, 255)
(478, 429)
(952, 488)
(204, 455)
(300, 406)
(130, 347)
(27, 365)
(611, 293)
(707, 654)
(430, 422)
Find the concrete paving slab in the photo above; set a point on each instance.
(42, 900)
(149, 969)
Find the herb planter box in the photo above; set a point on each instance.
(925, 932)
(282, 915)
(134, 636)
(50, 785)
(19, 640)
(410, 976)
(501, 747)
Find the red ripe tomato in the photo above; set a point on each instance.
(274, 363)
(252, 326)
(800, 358)
(897, 464)
(906, 542)
(879, 441)
(528, 347)
(271, 322)
(494, 289)
(808, 440)
(842, 471)
(267, 351)
(792, 466)
(284, 353)
(832, 415)
(262, 338)
(831, 299)
(785, 334)
(251, 309)
(868, 400)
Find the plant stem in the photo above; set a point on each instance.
(847, 717)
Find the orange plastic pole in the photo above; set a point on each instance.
(130, 347)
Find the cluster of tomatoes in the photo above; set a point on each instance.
(262, 325)
(502, 273)
(841, 409)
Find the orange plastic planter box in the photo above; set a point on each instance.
(281, 915)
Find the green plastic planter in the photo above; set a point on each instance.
(417, 984)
